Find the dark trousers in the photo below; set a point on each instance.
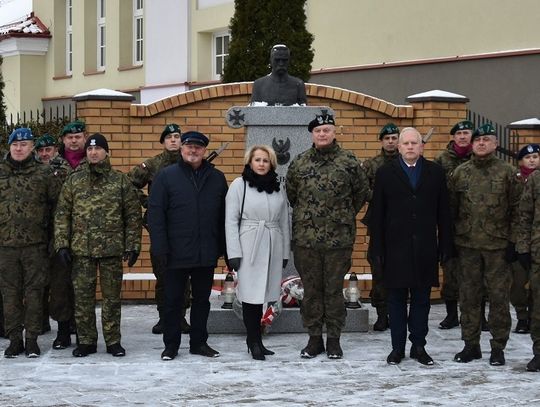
(175, 281)
(416, 320)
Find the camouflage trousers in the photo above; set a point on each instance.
(535, 292)
(520, 293)
(479, 267)
(23, 276)
(378, 293)
(84, 275)
(322, 273)
(450, 285)
(61, 296)
(160, 290)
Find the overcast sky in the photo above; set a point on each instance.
(12, 10)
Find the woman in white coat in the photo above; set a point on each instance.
(258, 239)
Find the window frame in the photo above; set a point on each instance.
(69, 37)
(222, 56)
(101, 35)
(138, 35)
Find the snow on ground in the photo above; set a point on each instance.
(234, 379)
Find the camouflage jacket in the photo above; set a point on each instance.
(28, 193)
(449, 160)
(484, 197)
(371, 166)
(98, 213)
(528, 231)
(144, 173)
(326, 189)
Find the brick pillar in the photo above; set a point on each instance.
(440, 110)
(525, 132)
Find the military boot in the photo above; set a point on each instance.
(382, 320)
(469, 353)
(314, 347)
(522, 326)
(63, 338)
(534, 364)
(15, 348)
(497, 357)
(451, 320)
(333, 348)
(31, 348)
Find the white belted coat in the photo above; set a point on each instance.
(262, 241)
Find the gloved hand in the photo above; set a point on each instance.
(65, 256)
(525, 260)
(131, 256)
(510, 254)
(234, 263)
(160, 261)
(377, 267)
(285, 261)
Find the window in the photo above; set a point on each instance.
(69, 37)
(138, 36)
(100, 35)
(221, 52)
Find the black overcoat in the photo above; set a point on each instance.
(410, 228)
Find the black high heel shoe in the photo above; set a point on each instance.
(255, 349)
(266, 351)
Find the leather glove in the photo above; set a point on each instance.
(65, 256)
(161, 261)
(377, 267)
(285, 261)
(234, 263)
(131, 257)
(525, 260)
(510, 254)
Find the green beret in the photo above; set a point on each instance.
(45, 141)
(484, 130)
(74, 127)
(389, 128)
(169, 128)
(464, 125)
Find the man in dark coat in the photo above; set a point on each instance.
(411, 232)
(186, 219)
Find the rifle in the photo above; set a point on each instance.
(217, 152)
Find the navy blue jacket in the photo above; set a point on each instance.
(186, 219)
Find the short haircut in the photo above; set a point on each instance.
(407, 130)
(269, 150)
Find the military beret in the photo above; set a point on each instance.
(169, 128)
(463, 125)
(45, 141)
(389, 128)
(20, 134)
(194, 137)
(97, 139)
(74, 127)
(484, 130)
(320, 120)
(528, 149)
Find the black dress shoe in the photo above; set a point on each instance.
(497, 357)
(469, 353)
(382, 323)
(204, 350)
(169, 353)
(395, 357)
(420, 354)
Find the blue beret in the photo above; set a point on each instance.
(389, 128)
(74, 127)
(464, 125)
(528, 149)
(169, 128)
(321, 119)
(484, 130)
(194, 137)
(20, 134)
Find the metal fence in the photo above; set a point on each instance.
(508, 140)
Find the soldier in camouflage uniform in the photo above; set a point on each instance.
(528, 248)
(58, 300)
(28, 192)
(326, 187)
(484, 196)
(97, 224)
(458, 151)
(520, 292)
(389, 140)
(142, 176)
